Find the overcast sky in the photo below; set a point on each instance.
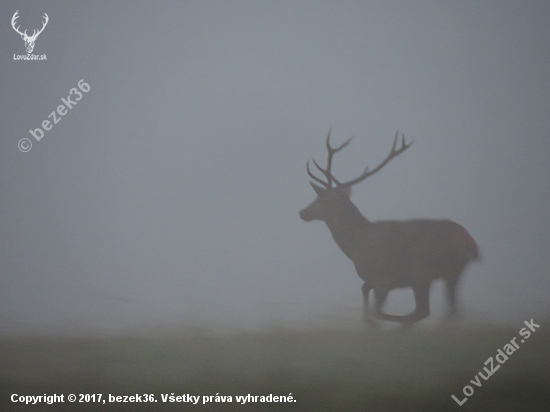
(170, 192)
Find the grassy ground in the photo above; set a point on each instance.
(325, 369)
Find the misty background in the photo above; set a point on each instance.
(169, 194)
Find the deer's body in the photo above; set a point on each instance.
(392, 254)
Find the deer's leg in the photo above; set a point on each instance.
(422, 306)
(381, 296)
(451, 284)
(422, 300)
(367, 315)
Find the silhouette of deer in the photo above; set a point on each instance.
(390, 254)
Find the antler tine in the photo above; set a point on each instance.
(393, 153)
(331, 151)
(327, 171)
(319, 167)
(315, 177)
(35, 33)
(13, 23)
(46, 20)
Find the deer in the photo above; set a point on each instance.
(390, 254)
(29, 40)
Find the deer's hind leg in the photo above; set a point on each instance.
(422, 301)
(451, 282)
(367, 314)
(380, 295)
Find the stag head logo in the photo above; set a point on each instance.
(29, 40)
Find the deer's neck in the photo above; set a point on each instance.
(348, 227)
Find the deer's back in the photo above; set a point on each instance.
(402, 250)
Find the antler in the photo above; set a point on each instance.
(15, 17)
(35, 33)
(393, 153)
(331, 151)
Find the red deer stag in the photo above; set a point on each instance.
(391, 254)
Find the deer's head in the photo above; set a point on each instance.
(334, 199)
(328, 201)
(29, 40)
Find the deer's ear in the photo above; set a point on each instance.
(347, 191)
(318, 189)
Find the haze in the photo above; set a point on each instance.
(169, 194)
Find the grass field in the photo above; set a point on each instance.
(325, 369)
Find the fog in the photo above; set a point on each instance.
(169, 194)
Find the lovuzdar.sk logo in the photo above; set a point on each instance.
(29, 40)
